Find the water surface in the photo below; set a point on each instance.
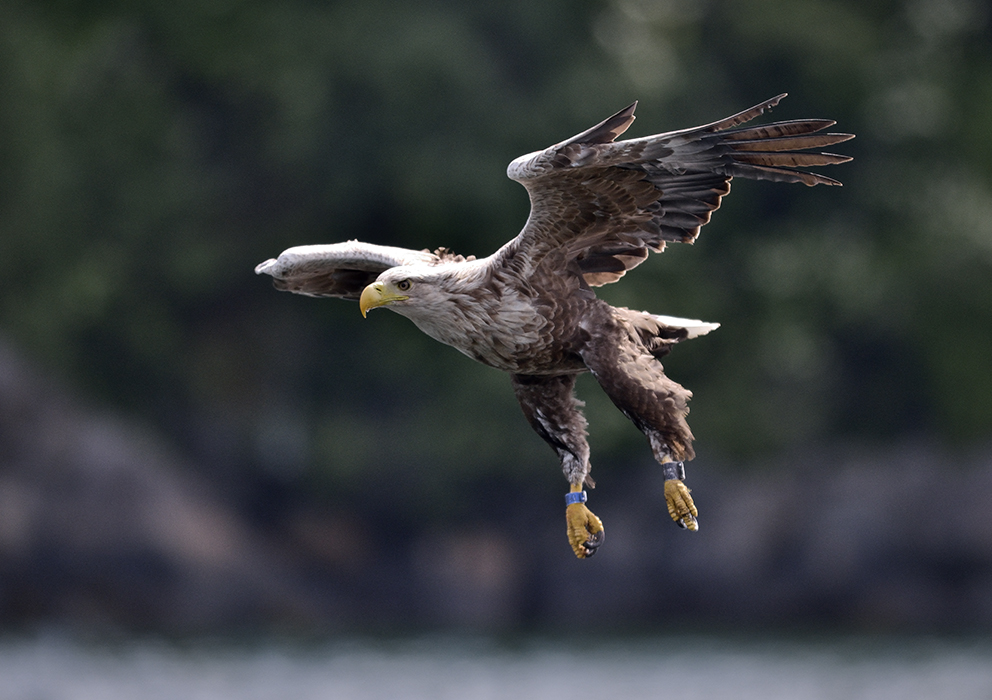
(60, 668)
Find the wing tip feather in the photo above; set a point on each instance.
(607, 130)
(265, 268)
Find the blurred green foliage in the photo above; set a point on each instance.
(152, 153)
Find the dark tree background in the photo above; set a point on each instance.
(152, 153)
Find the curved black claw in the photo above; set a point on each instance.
(595, 540)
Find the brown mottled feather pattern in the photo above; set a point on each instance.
(609, 203)
(636, 382)
(554, 413)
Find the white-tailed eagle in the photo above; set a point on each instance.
(599, 207)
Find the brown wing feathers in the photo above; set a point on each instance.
(607, 130)
(776, 150)
(608, 202)
(342, 283)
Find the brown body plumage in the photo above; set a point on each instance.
(598, 208)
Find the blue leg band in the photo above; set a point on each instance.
(575, 497)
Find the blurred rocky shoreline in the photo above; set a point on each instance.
(102, 525)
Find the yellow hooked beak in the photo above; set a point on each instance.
(377, 294)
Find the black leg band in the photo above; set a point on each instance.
(673, 470)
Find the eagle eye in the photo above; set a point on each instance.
(403, 285)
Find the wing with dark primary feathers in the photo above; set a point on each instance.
(606, 204)
(340, 269)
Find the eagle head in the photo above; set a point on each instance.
(407, 289)
(449, 301)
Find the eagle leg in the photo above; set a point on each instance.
(555, 414)
(636, 383)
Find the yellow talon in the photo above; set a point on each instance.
(585, 530)
(680, 505)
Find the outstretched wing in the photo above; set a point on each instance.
(337, 270)
(603, 205)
